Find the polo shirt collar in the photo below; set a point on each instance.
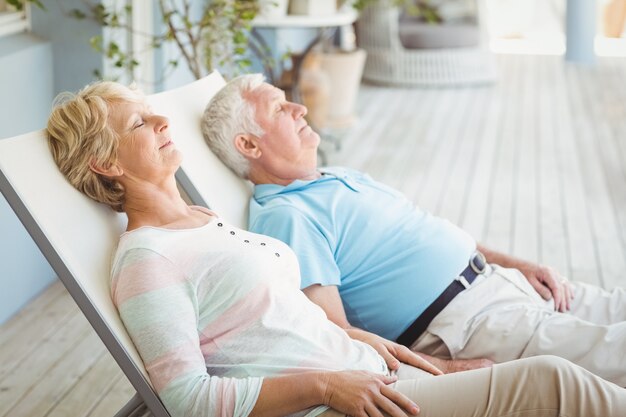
(262, 191)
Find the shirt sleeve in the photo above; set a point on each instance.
(312, 244)
(158, 307)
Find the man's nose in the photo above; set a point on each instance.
(299, 110)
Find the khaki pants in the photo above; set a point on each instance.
(501, 317)
(543, 386)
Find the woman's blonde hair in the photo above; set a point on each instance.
(79, 136)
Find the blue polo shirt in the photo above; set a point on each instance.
(389, 260)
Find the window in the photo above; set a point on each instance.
(12, 20)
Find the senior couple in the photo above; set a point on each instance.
(223, 328)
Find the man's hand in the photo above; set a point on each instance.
(545, 280)
(450, 366)
(365, 394)
(393, 353)
(549, 284)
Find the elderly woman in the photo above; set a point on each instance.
(217, 315)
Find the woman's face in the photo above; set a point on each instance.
(145, 151)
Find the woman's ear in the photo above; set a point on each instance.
(111, 171)
(248, 145)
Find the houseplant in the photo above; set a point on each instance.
(207, 35)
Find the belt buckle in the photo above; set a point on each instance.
(478, 263)
(464, 282)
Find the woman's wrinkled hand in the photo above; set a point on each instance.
(393, 353)
(365, 394)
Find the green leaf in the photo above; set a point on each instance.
(18, 4)
(77, 14)
(245, 63)
(96, 43)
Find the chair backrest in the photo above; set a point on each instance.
(77, 236)
(202, 175)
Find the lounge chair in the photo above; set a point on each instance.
(78, 236)
(205, 179)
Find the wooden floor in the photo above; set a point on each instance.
(534, 165)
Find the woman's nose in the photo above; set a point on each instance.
(162, 123)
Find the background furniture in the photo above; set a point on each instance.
(379, 32)
(326, 25)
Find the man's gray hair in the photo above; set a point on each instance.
(229, 114)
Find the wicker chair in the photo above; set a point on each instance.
(389, 62)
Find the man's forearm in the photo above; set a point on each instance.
(499, 258)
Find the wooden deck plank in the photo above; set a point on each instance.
(552, 230)
(421, 184)
(17, 385)
(394, 137)
(34, 325)
(476, 200)
(61, 377)
(114, 399)
(416, 154)
(499, 233)
(597, 167)
(613, 116)
(583, 256)
(423, 139)
(614, 111)
(451, 204)
(31, 312)
(407, 134)
(446, 153)
(87, 392)
(372, 131)
(525, 199)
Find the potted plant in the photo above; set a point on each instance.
(207, 35)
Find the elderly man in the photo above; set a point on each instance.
(370, 259)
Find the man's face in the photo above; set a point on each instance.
(289, 145)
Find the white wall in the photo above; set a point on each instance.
(33, 69)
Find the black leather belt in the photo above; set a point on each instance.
(476, 266)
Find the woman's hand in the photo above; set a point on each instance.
(393, 353)
(365, 394)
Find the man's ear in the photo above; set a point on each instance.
(248, 145)
(111, 171)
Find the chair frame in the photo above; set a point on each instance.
(145, 393)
